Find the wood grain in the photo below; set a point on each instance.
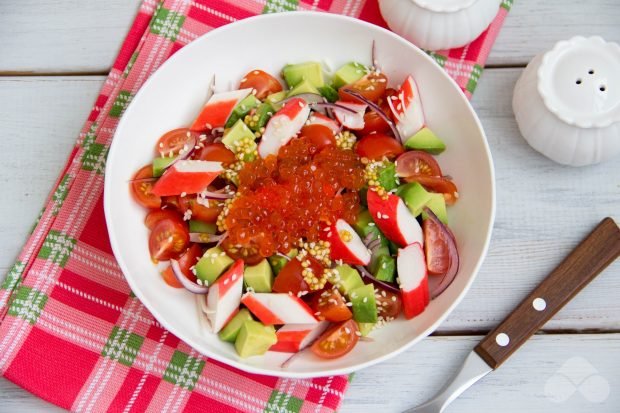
(87, 35)
(599, 249)
(530, 381)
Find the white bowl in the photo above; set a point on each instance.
(174, 94)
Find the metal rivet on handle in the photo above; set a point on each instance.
(502, 339)
(539, 304)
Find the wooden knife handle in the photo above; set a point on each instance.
(586, 261)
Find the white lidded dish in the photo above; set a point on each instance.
(567, 101)
(439, 24)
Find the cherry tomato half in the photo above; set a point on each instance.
(377, 146)
(319, 135)
(438, 184)
(337, 340)
(216, 152)
(290, 278)
(329, 305)
(186, 262)
(248, 253)
(173, 141)
(200, 211)
(372, 87)
(262, 82)
(374, 123)
(156, 215)
(142, 187)
(389, 303)
(169, 238)
(413, 163)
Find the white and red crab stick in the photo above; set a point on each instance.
(407, 108)
(349, 119)
(413, 279)
(224, 296)
(295, 337)
(218, 108)
(188, 177)
(394, 219)
(284, 125)
(353, 251)
(318, 118)
(278, 308)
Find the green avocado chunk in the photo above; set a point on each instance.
(387, 177)
(385, 268)
(262, 115)
(437, 204)
(278, 261)
(231, 330)
(349, 73)
(365, 328)
(303, 87)
(241, 138)
(275, 98)
(259, 277)
(415, 197)
(212, 264)
(348, 279)
(254, 339)
(329, 93)
(364, 305)
(160, 164)
(426, 140)
(310, 71)
(202, 227)
(243, 108)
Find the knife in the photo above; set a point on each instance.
(599, 249)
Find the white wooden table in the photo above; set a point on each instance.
(54, 55)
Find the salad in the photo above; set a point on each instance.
(305, 213)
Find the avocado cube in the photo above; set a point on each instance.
(329, 93)
(382, 251)
(259, 277)
(160, 164)
(349, 73)
(437, 204)
(277, 262)
(243, 108)
(264, 112)
(387, 177)
(347, 279)
(426, 140)
(254, 339)
(212, 264)
(385, 268)
(393, 247)
(240, 138)
(231, 330)
(275, 98)
(415, 197)
(310, 71)
(302, 87)
(364, 304)
(365, 328)
(202, 227)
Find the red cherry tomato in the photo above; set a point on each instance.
(290, 278)
(377, 146)
(413, 163)
(169, 239)
(319, 135)
(170, 278)
(248, 253)
(438, 184)
(337, 340)
(262, 82)
(142, 187)
(329, 305)
(200, 211)
(186, 262)
(156, 215)
(216, 152)
(372, 87)
(374, 123)
(173, 141)
(389, 303)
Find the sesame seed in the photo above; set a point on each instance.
(365, 300)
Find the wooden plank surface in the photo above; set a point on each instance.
(550, 374)
(543, 209)
(87, 35)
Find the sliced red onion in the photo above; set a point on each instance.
(308, 97)
(437, 284)
(283, 256)
(190, 286)
(367, 339)
(366, 274)
(204, 238)
(373, 55)
(329, 105)
(377, 109)
(215, 195)
(224, 236)
(372, 242)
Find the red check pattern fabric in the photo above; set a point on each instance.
(71, 330)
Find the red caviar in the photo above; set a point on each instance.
(288, 197)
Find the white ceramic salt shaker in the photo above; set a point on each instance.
(439, 24)
(567, 101)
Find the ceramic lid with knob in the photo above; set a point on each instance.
(567, 101)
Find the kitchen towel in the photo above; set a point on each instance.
(71, 331)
